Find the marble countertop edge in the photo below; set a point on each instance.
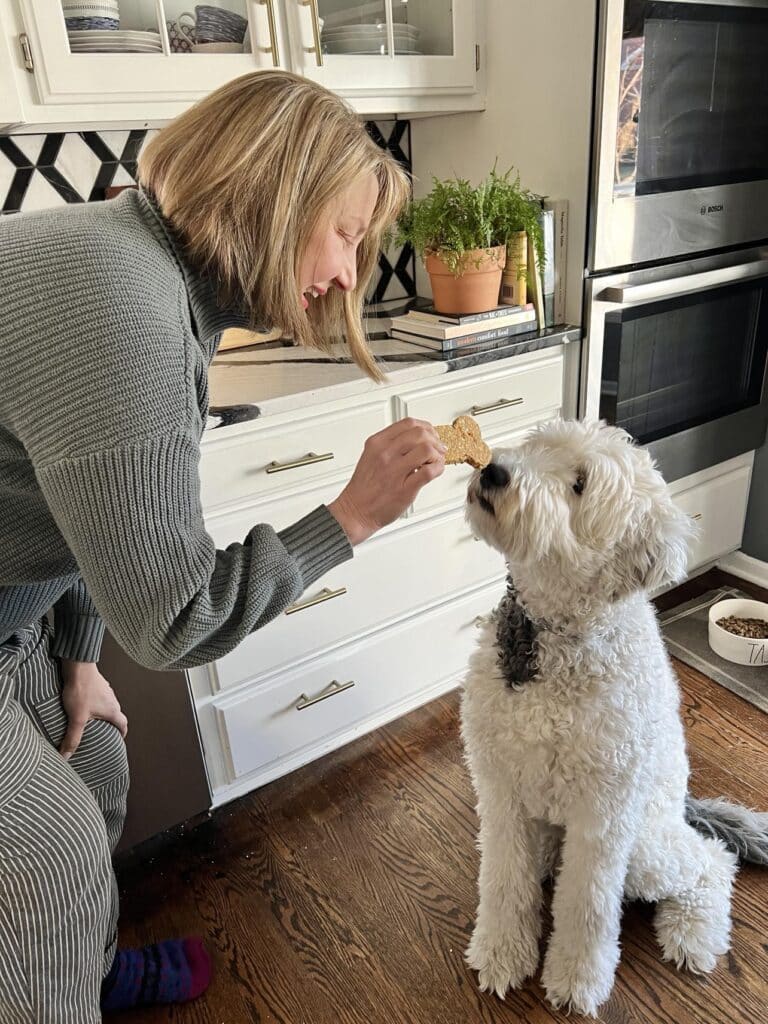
(277, 377)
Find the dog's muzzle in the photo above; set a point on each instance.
(493, 478)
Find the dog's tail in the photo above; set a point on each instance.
(743, 831)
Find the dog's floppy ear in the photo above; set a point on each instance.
(654, 551)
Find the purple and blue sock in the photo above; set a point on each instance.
(173, 971)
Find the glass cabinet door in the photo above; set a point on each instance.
(419, 27)
(358, 45)
(123, 50)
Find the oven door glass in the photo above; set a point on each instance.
(693, 96)
(676, 363)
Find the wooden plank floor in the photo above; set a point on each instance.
(345, 893)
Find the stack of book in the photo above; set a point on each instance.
(446, 331)
(549, 283)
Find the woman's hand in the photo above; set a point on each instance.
(86, 695)
(394, 466)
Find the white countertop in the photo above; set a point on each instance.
(277, 377)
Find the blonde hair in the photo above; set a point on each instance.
(244, 177)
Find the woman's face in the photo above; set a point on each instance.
(330, 259)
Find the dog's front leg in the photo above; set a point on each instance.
(504, 949)
(583, 951)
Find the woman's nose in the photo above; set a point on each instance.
(346, 279)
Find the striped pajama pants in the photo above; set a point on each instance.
(59, 823)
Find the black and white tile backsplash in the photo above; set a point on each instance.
(41, 171)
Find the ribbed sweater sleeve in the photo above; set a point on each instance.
(79, 629)
(103, 360)
(132, 518)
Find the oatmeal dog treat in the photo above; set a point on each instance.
(464, 443)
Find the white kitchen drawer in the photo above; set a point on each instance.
(264, 725)
(498, 400)
(247, 467)
(389, 577)
(232, 527)
(719, 507)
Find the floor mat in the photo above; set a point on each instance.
(685, 629)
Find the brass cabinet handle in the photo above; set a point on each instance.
(324, 595)
(26, 52)
(503, 403)
(330, 691)
(316, 49)
(309, 460)
(273, 47)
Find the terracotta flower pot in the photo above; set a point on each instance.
(476, 289)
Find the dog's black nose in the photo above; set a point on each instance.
(494, 475)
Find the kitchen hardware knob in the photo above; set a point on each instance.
(316, 49)
(330, 691)
(273, 47)
(309, 460)
(324, 595)
(503, 403)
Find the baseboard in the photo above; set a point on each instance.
(746, 568)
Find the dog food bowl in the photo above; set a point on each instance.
(742, 650)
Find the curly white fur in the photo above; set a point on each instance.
(590, 750)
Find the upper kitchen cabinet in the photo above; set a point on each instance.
(141, 62)
(411, 46)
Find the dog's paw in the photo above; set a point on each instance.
(502, 963)
(574, 986)
(694, 929)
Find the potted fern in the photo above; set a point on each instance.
(461, 232)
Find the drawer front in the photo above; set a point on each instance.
(719, 507)
(389, 577)
(260, 463)
(498, 400)
(309, 708)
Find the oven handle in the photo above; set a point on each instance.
(674, 286)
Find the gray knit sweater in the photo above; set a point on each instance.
(105, 341)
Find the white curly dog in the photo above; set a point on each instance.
(571, 724)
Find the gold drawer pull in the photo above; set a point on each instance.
(330, 691)
(316, 49)
(324, 595)
(698, 516)
(503, 403)
(309, 460)
(272, 48)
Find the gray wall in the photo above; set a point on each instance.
(756, 530)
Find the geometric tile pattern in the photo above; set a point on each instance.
(67, 167)
(397, 268)
(41, 171)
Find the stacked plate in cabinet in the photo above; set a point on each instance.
(120, 41)
(372, 38)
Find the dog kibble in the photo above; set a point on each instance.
(754, 629)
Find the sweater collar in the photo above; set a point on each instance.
(209, 317)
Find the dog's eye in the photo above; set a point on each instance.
(581, 483)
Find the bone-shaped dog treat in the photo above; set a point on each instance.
(464, 443)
